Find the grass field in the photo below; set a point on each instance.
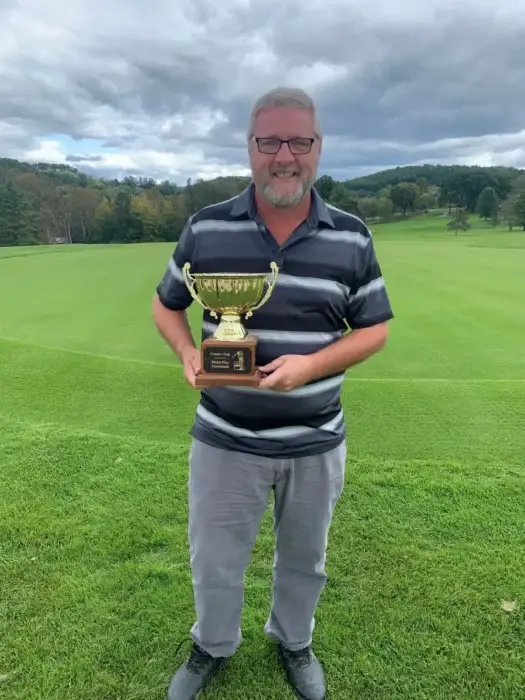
(426, 557)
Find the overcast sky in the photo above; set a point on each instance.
(163, 88)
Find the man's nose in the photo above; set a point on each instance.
(284, 154)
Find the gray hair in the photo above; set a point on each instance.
(285, 97)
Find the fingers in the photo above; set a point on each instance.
(268, 382)
(190, 379)
(195, 362)
(196, 367)
(192, 367)
(189, 374)
(272, 366)
(272, 381)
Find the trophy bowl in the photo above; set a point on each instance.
(231, 295)
(234, 293)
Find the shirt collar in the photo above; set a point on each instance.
(245, 205)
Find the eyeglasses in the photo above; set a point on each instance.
(297, 146)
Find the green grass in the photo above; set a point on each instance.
(428, 539)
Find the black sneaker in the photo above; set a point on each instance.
(193, 675)
(304, 672)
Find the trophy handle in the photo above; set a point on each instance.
(271, 285)
(189, 280)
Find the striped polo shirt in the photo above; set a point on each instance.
(329, 282)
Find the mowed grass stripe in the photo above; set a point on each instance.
(423, 419)
(174, 364)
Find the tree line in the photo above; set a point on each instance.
(45, 203)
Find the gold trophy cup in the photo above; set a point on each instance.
(228, 357)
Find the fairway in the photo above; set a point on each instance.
(426, 593)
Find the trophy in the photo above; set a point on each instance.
(228, 357)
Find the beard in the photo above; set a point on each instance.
(280, 196)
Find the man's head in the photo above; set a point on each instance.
(284, 173)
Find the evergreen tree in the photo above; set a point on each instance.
(17, 216)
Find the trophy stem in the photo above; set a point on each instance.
(230, 327)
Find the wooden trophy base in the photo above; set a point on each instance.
(228, 363)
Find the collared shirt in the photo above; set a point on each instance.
(329, 282)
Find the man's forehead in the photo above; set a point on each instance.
(279, 119)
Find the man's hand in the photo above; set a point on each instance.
(287, 372)
(291, 371)
(191, 363)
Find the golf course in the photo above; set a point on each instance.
(426, 591)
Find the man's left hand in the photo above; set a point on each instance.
(287, 372)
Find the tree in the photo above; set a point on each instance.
(104, 229)
(452, 191)
(425, 202)
(518, 186)
(519, 211)
(126, 222)
(149, 218)
(508, 212)
(343, 199)
(385, 208)
(385, 192)
(368, 207)
(17, 216)
(404, 196)
(325, 186)
(174, 214)
(50, 202)
(459, 221)
(82, 205)
(423, 185)
(488, 203)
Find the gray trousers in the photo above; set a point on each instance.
(228, 496)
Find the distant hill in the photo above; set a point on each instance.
(368, 185)
(435, 175)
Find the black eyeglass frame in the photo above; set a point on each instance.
(258, 139)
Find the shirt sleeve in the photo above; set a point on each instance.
(369, 302)
(172, 290)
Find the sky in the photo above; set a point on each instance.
(164, 88)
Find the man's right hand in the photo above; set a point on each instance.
(191, 364)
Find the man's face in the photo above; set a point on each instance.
(285, 177)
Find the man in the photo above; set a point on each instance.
(288, 436)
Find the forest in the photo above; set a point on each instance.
(45, 203)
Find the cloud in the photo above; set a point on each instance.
(165, 90)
